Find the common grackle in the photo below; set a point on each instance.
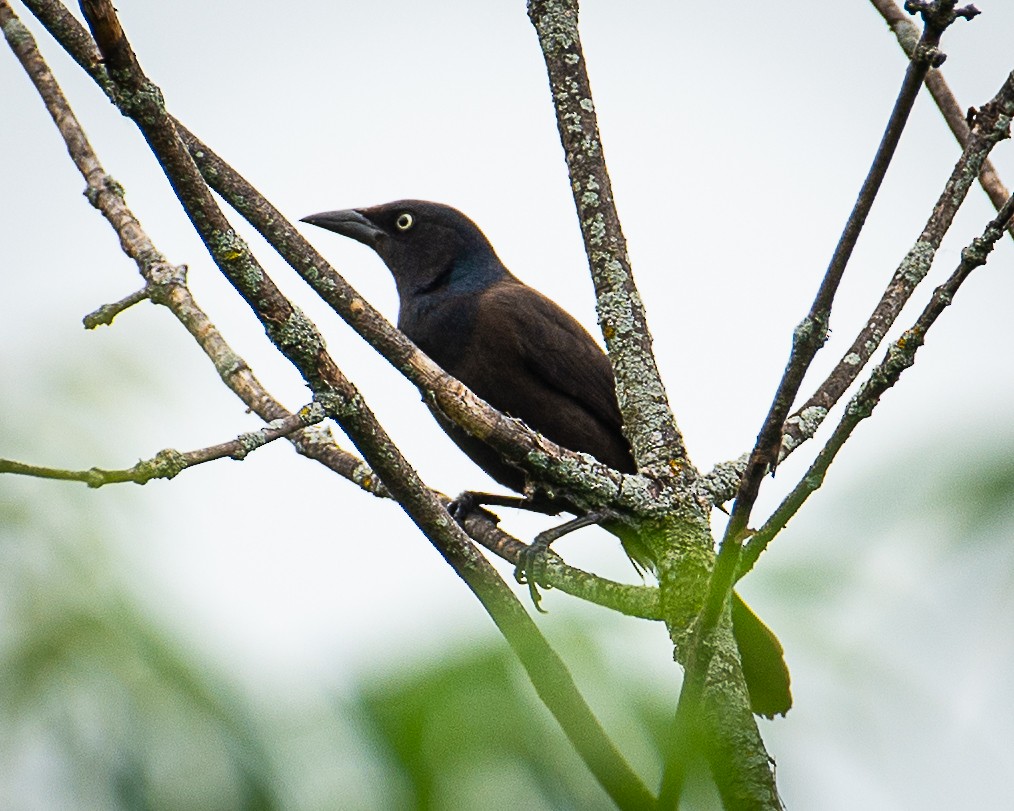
(525, 356)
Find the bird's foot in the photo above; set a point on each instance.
(463, 506)
(469, 502)
(531, 568)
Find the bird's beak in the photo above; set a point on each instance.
(348, 223)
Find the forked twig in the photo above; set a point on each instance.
(956, 117)
(169, 463)
(992, 125)
(900, 356)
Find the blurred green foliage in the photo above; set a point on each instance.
(893, 595)
(99, 708)
(468, 732)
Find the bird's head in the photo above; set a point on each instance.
(427, 246)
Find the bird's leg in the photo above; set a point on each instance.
(532, 559)
(469, 501)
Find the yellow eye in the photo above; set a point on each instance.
(404, 221)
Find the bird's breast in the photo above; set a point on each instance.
(442, 326)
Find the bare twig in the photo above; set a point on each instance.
(165, 283)
(105, 314)
(992, 124)
(648, 420)
(809, 336)
(956, 117)
(900, 355)
(168, 463)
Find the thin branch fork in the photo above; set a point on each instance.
(165, 283)
(907, 34)
(168, 463)
(809, 336)
(811, 333)
(720, 484)
(805, 421)
(992, 125)
(807, 339)
(900, 356)
(291, 331)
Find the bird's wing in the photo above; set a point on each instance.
(561, 353)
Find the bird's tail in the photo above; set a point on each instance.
(638, 553)
(767, 675)
(762, 656)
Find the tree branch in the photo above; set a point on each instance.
(977, 143)
(682, 544)
(811, 333)
(807, 339)
(648, 421)
(165, 283)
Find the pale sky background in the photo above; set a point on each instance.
(737, 135)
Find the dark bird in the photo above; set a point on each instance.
(525, 356)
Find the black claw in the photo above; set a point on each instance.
(532, 559)
(463, 506)
(470, 501)
(533, 592)
(531, 568)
